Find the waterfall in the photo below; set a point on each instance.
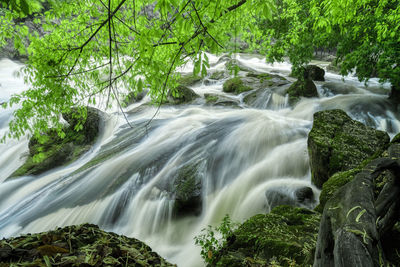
(247, 160)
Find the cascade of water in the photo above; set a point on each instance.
(247, 160)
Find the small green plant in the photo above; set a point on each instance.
(212, 239)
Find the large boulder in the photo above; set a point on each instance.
(49, 150)
(358, 217)
(77, 245)
(284, 237)
(337, 143)
(315, 73)
(301, 88)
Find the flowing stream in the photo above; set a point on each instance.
(244, 156)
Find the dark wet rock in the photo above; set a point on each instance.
(337, 143)
(394, 95)
(396, 139)
(236, 86)
(220, 100)
(315, 73)
(181, 95)
(50, 150)
(284, 237)
(304, 194)
(359, 215)
(77, 245)
(302, 197)
(301, 88)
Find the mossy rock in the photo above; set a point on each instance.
(49, 150)
(187, 189)
(337, 143)
(236, 86)
(181, 95)
(220, 100)
(337, 180)
(77, 245)
(189, 80)
(301, 88)
(286, 236)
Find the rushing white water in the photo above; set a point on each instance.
(243, 156)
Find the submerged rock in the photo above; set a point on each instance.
(285, 237)
(52, 151)
(337, 143)
(77, 245)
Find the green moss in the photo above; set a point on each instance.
(333, 184)
(181, 94)
(337, 143)
(49, 150)
(210, 98)
(235, 85)
(285, 236)
(301, 88)
(187, 188)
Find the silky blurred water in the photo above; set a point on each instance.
(241, 154)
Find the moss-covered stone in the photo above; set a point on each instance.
(50, 150)
(333, 184)
(181, 95)
(78, 245)
(236, 86)
(286, 237)
(211, 98)
(302, 88)
(188, 187)
(338, 143)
